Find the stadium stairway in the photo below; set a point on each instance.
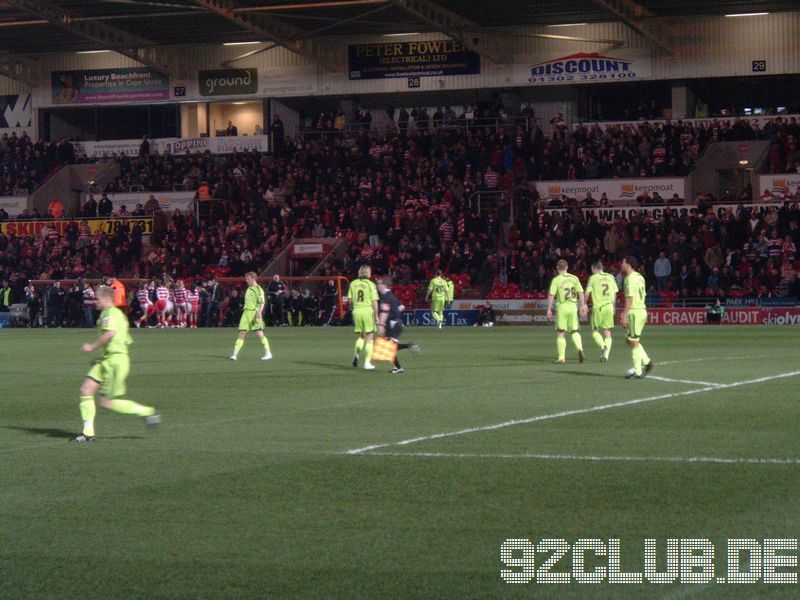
(71, 182)
(722, 167)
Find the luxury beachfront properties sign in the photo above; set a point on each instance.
(586, 67)
(424, 58)
(109, 86)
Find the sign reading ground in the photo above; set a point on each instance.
(228, 82)
(109, 86)
(412, 59)
(586, 67)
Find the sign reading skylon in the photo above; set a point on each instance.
(584, 67)
(228, 82)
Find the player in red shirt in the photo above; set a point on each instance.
(163, 303)
(181, 304)
(193, 296)
(145, 304)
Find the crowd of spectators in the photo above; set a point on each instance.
(402, 199)
(24, 164)
(707, 252)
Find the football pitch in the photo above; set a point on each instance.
(305, 478)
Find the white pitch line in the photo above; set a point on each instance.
(590, 458)
(688, 381)
(569, 413)
(706, 359)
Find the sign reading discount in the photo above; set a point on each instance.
(97, 226)
(586, 67)
(412, 59)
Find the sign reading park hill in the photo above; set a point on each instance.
(411, 59)
(228, 82)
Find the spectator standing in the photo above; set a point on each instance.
(214, 305)
(34, 304)
(5, 297)
(55, 304)
(89, 210)
(278, 134)
(87, 295)
(276, 292)
(105, 207)
(662, 269)
(56, 208)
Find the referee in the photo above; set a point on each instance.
(390, 320)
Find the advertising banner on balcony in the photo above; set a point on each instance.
(779, 185)
(109, 86)
(585, 67)
(615, 189)
(612, 213)
(422, 58)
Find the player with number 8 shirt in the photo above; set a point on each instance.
(362, 298)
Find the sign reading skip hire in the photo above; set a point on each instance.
(411, 59)
(228, 82)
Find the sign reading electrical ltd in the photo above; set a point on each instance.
(228, 82)
(585, 67)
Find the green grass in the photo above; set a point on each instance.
(246, 491)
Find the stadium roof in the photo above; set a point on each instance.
(25, 28)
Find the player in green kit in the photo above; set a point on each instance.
(602, 289)
(252, 316)
(451, 291)
(567, 293)
(107, 376)
(362, 296)
(438, 292)
(634, 317)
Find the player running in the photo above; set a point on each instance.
(567, 291)
(108, 374)
(252, 316)
(181, 304)
(193, 298)
(390, 324)
(362, 296)
(143, 295)
(437, 294)
(634, 317)
(602, 289)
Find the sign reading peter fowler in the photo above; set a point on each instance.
(429, 58)
(228, 82)
(584, 67)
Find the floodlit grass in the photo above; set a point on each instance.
(247, 491)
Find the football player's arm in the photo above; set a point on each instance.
(550, 298)
(104, 339)
(261, 304)
(623, 318)
(430, 290)
(583, 309)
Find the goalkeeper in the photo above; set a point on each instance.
(390, 320)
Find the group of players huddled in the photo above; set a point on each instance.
(169, 302)
(570, 300)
